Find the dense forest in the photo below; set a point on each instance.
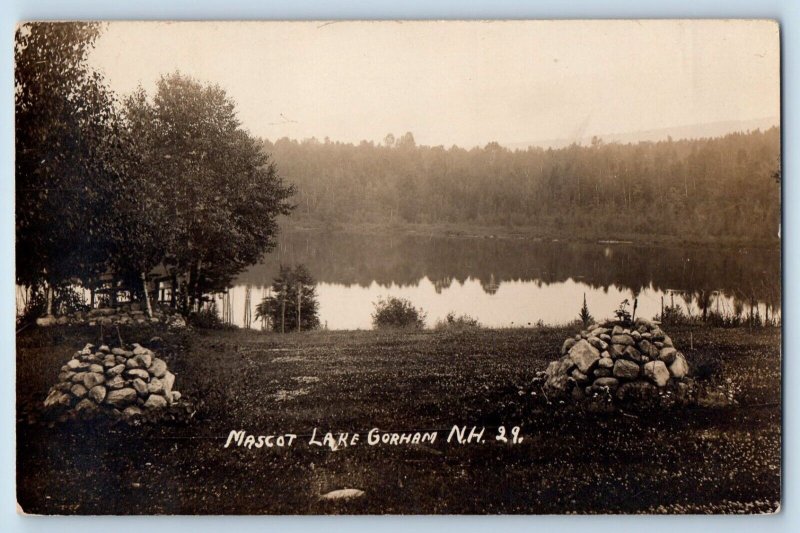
(717, 188)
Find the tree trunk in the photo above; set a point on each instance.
(147, 296)
(49, 300)
(174, 293)
(283, 309)
(299, 302)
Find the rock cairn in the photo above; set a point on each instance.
(122, 314)
(116, 382)
(627, 361)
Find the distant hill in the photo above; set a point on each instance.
(693, 131)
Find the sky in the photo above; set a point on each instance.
(463, 83)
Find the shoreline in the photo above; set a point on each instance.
(523, 233)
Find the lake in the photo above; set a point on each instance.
(512, 282)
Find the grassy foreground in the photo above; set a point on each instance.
(686, 461)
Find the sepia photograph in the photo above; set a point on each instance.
(398, 267)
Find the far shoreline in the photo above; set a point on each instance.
(525, 233)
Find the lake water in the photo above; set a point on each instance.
(511, 282)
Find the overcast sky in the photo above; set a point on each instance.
(464, 83)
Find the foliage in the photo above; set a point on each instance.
(208, 318)
(66, 299)
(395, 312)
(64, 133)
(281, 307)
(622, 313)
(585, 316)
(170, 180)
(700, 189)
(460, 322)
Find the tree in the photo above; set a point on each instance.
(65, 131)
(585, 316)
(210, 192)
(293, 304)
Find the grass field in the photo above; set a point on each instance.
(690, 460)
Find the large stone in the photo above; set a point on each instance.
(606, 362)
(65, 376)
(115, 383)
(78, 390)
(121, 398)
(611, 383)
(598, 343)
(57, 397)
(617, 350)
(569, 343)
(115, 370)
(96, 368)
(155, 402)
(98, 393)
(85, 405)
(73, 364)
(667, 355)
(139, 349)
(144, 359)
(156, 386)
(618, 330)
(138, 373)
(584, 356)
(158, 368)
(632, 354)
(118, 351)
(657, 372)
(169, 381)
(624, 369)
(140, 386)
(579, 376)
(132, 411)
(133, 362)
(679, 368)
(647, 348)
(93, 378)
(624, 339)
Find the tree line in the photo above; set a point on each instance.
(146, 187)
(704, 189)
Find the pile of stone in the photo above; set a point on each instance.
(122, 314)
(621, 360)
(116, 382)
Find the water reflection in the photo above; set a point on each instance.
(505, 282)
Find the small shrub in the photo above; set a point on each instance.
(623, 315)
(585, 316)
(397, 313)
(208, 318)
(452, 321)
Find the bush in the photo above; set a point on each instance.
(397, 313)
(208, 318)
(66, 299)
(452, 321)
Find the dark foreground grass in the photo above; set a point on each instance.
(689, 460)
